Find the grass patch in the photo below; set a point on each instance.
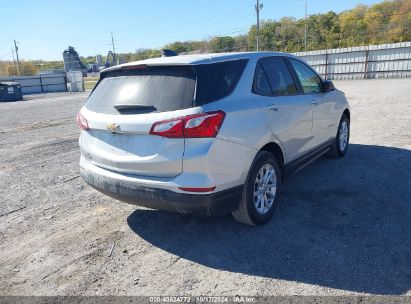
(89, 85)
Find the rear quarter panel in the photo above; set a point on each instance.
(243, 133)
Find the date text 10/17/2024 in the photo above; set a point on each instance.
(202, 299)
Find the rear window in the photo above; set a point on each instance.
(166, 88)
(152, 89)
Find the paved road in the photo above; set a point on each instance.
(343, 226)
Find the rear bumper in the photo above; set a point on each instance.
(217, 203)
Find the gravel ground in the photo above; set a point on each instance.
(343, 226)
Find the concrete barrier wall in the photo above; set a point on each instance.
(373, 61)
(40, 83)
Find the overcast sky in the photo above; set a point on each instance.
(44, 29)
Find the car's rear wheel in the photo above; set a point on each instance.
(260, 194)
(340, 146)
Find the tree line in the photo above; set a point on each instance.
(385, 22)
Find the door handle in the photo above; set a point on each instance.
(314, 102)
(273, 107)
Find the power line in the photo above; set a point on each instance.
(174, 37)
(180, 13)
(198, 23)
(167, 16)
(216, 34)
(5, 55)
(4, 43)
(154, 19)
(171, 28)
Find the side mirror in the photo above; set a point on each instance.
(328, 86)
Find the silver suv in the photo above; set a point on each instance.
(209, 134)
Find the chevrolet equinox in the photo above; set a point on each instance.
(210, 133)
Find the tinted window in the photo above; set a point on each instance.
(261, 84)
(279, 76)
(218, 80)
(153, 88)
(310, 82)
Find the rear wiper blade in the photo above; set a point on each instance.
(134, 107)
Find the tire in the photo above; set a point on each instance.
(338, 148)
(250, 212)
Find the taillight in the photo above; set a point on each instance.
(81, 122)
(203, 125)
(172, 128)
(191, 126)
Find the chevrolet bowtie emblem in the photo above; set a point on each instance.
(113, 127)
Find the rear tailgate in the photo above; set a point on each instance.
(121, 111)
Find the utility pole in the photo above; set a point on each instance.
(305, 28)
(17, 55)
(114, 49)
(14, 59)
(258, 7)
